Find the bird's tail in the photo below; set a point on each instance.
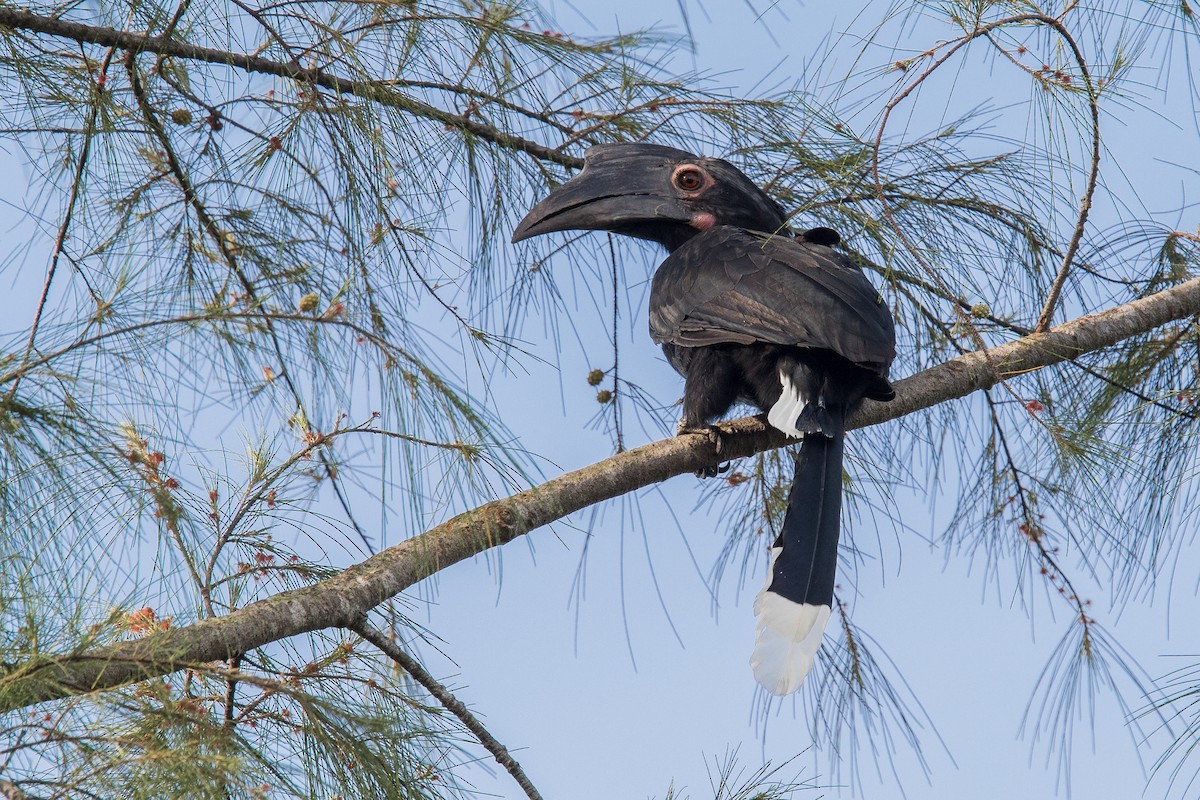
(793, 607)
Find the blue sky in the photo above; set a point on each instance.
(616, 697)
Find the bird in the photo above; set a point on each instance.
(748, 311)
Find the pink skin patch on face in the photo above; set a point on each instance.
(703, 220)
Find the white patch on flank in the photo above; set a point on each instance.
(786, 638)
(787, 408)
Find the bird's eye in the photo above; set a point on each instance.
(689, 179)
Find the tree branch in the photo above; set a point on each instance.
(450, 702)
(376, 91)
(341, 600)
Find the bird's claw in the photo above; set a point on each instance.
(713, 470)
(715, 438)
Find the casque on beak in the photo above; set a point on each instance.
(621, 188)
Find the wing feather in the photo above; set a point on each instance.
(737, 286)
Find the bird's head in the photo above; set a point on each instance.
(653, 192)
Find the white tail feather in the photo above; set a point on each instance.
(787, 408)
(786, 639)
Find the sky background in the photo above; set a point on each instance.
(646, 680)
(602, 652)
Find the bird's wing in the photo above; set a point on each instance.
(737, 286)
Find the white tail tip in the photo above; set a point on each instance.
(786, 640)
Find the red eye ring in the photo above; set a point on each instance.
(689, 178)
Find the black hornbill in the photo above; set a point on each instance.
(746, 311)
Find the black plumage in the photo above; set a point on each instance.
(747, 312)
(746, 304)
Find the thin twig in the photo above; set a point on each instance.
(616, 399)
(877, 148)
(235, 665)
(76, 185)
(227, 253)
(255, 493)
(10, 791)
(448, 701)
(1032, 529)
(370, 90)
(224, 315)
(1046, 318)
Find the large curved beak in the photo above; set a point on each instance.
(619, 186)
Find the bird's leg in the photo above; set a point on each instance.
(710, 387)
(714, 436)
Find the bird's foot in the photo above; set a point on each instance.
(715, 437)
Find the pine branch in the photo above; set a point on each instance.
(341, 600)
(376, 91)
